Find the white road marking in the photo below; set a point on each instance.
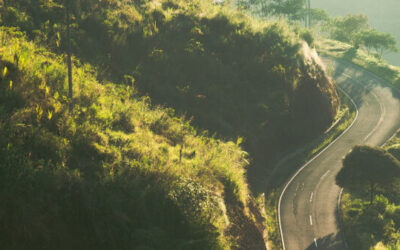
(322, 177)
(310, 220)
(383, 110)
(315, 241)
(383, 113)
(311, 196)
(308, 163)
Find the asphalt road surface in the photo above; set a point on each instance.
(308, 206)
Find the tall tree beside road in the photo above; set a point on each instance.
(380, 42)
(347, 28)
(367, 169)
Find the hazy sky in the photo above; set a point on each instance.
(384, 15)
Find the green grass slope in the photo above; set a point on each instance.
(116, 173)
(231, 74)
(360, 57)
(126, 172)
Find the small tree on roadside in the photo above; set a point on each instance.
(292, 9)
(368, 168)
(347, 28)
(380, 42)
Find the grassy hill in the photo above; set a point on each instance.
(117, 172)
(230, 74)
(121, 170)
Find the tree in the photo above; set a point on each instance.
(380, 42)
(367, 168)
(318, 16)
(292, 9)
(347, 28)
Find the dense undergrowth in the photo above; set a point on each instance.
(126, 172)
(115, 173)
(371, 212)
(234, 75)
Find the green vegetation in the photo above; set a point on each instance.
(344, 118)
(380, 42)
(360, 57)
(355, 30)
(116, 173)
(383, 17)
(346, 29)
(371, 198)
(293, 10)
(207, 61)
(371, 202)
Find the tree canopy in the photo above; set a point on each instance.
(380, 42)
(367, 168)
(346, 28)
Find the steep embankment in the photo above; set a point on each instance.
(116, 172)
(125, 172)
(232, 74)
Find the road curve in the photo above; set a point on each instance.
(308, 204)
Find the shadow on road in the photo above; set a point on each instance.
(329, 242)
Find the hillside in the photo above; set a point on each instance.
(116, 172)
(125, 170)
(232, 75)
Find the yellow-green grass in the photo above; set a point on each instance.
(360, 57)
(120, 170)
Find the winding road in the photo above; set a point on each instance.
(308, 205)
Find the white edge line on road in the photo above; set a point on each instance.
(340, 217)
(383, 113)
(310, 220)
(380, 81)
(315, 242)
(308, 163)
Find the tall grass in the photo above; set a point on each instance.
(116, 172)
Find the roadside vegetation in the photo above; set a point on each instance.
(294, 160)
(116, 172)
(134, 161)
(370, 176)
(207, 61)
(371, 202)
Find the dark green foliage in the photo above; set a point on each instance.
(347, 28)
(107, 175)
(367, 168)
(294, 10)
(307, 36)
(380, 42)
(370, 210)
(212, 65)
